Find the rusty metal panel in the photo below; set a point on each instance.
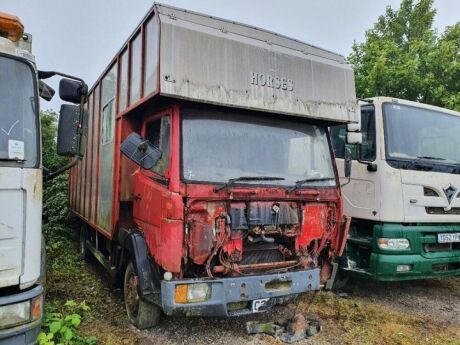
(107, 150)
(216, 61)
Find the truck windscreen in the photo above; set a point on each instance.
(18, 114)
(423, 134)
(219, 146)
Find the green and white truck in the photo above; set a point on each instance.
(404, 191)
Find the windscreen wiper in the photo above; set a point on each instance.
(419, 158)
(12, 160)
(232, 181)
(300, 183)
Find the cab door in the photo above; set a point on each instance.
(151, 188)
(361, 193)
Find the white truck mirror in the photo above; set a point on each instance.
(353, 127)
(354, 138)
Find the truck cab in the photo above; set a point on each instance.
(22, 248)
(403, 194)
(209, 186)
(21, 294)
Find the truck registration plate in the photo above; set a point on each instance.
(449, 238)
(259, 305)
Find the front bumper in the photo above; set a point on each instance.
(26, 333)
(228, 291)
(383, 267)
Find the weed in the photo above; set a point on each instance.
(60, 327)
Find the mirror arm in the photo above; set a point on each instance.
(371, 167)
(50, 175)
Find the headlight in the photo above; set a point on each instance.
(14, 314)
(393, 243)
(186, 293)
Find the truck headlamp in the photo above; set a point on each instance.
(14, 314)
(189, 293)
(393, 243)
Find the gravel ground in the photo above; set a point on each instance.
(437, 300)
(433, 304)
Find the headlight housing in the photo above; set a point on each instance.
(189, 293)
(16, 314)
(393, 243)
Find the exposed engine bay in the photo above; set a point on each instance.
(247, 237)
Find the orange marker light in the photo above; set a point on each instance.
(36, 308)
(181, 293)
(10, 27)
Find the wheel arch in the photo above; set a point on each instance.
(135, 249)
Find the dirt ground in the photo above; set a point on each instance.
(417, 312)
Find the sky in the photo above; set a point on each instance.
(81, 37)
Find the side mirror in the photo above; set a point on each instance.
(353, 127)
(45, 91)
(140, 151)
(354, 138)
(347, 162)
(72, 91)
(71, 133)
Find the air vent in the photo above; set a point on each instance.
(429, 192)
(440, 210)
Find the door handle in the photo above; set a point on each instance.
(137, 197)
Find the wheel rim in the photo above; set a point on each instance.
(131, 295)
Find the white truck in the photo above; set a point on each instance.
(404, 192)
(21, 174)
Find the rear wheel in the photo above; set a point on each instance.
(141, 313)
(83, 250)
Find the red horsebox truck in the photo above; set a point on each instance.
(209, 185)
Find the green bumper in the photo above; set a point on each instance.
(426, 257)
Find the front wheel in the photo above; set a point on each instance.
(141, 313)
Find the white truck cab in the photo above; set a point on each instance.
(21, 177)
(404, 191)
(20, 187)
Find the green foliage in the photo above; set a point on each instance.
(55, 210)
(51, 160)
(61, 327)
(403, 57)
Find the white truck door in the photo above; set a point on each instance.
(361, 193)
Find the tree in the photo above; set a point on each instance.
(403, 57)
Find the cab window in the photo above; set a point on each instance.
(368, 146)
(158, 133)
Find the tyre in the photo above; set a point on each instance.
(83, 251)
(340, 281)
(141, 313)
